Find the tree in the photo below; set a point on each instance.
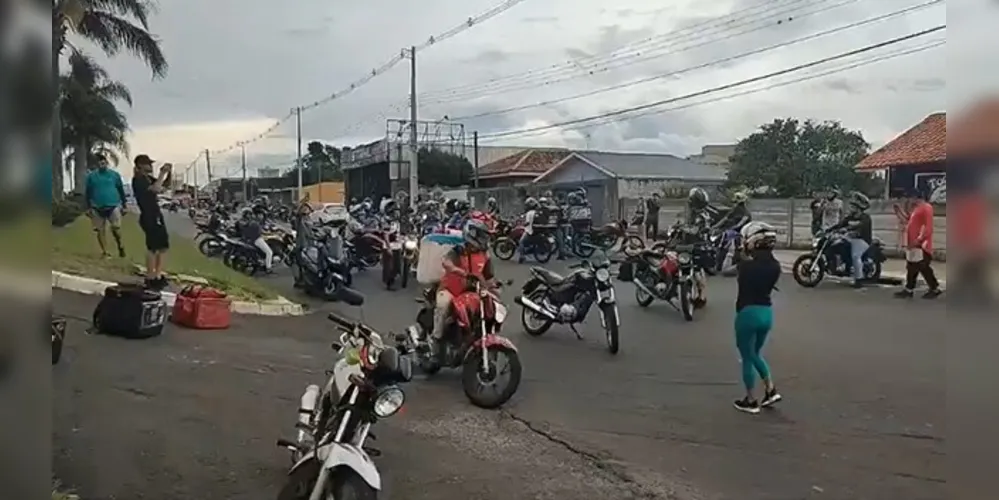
(320, 163)
(443, 168)
(112, 25)
(93, 127)
(788, 158)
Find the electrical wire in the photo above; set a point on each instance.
(839, 69)
(661, 45)
(656, 104)
(709, 64)
(382, 69)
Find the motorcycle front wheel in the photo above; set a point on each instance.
(543, 251)
(475, 379)
(686, 301)
(210, 246)
(504, 248)
(612, 329)
(583, 247)
(801, 270)
(344, 485)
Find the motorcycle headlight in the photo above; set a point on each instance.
(683, 258)
(603, 274)
(410, 245)
(815, 242)
(500, 313)
(388, 402)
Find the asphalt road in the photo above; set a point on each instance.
(195, 414)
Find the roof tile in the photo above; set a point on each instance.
(528, 161)
(924, 143)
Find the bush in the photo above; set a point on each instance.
(65, 211)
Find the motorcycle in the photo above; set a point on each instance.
(541, 244)
(330, 457)
(367, 248)
(825, 257)
(549, 298)
(727, 255)
(394, 262)
(472, 342)
(320, 268)
(607, 237)
(242, 256)
(209, 235)
(676, 275)
(281, 242)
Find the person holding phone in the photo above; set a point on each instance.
(146, 188)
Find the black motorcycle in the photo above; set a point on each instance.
(320, 268)
(209, 235)
(830, 255)
(549, 298)
(242, 256)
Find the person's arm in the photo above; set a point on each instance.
(89, 192)
(925, 220)
(121, 192)
(157, 186)
(451, 263)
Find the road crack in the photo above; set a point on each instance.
(638, 489)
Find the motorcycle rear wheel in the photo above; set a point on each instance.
(471, 383)
(543, 251)
(583, 247)
(210, 246)
(801, 266)
(527, 315)
(504, 248)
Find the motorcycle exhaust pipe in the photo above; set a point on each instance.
(306, 410)
(533, 306)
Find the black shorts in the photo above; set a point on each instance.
(157, 239)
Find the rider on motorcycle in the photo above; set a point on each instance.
(251, 232)
(860, 234)
(492, 208)
(738, 216)
(700, 213)
(531, 206)
(468, 260)
(460, 214)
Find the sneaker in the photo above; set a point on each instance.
(857, 284)
(747, 405)
(903, 294)
(770, 398)
(161, 283)
(121, 253)
(932, 294)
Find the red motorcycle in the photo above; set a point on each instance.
(676, 276)
(367, 248)
(541, 245)
(490, 365)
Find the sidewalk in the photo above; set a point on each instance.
(892, 268)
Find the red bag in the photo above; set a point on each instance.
(203, 308)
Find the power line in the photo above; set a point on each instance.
(382, 69)
(705, 65)
(656, 104)
(839, 69)
(661, 45)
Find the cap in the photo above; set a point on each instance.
(143, 160)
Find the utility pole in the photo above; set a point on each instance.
(208, 163)
(414, 147)
(298, 128)
(475, 156)
(242, 148)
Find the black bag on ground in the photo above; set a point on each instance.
(130, 311)
(626, 272)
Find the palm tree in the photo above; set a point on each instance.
(112, 25)
(93, 127)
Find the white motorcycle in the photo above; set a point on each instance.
(330, 459)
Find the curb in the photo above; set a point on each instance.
(788, 268)
(90, 286)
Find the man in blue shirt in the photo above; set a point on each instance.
(105, 198)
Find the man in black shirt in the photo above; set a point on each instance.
(145, 188)
(860, 228)
(652, 206)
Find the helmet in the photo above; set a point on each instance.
(740, 197)
(491, 202)
(574, 198)
(476, 233)
(548, 194)
(462, 206)
(697, 197)
(756, 235)
(859, 201)
(450, 206)
(531, 204)
(388, 205)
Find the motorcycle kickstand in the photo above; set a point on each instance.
(579, 336)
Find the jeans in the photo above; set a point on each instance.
(857, 249)
(522, 246)
(914, 269)
(268, 253)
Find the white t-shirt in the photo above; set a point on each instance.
(529, 221)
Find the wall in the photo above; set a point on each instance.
(644, 188)
(794, 218)
(325, 192)
(575, 170)
(602, 196)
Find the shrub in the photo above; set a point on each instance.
(64, 212)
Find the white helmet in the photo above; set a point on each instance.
(758, 235)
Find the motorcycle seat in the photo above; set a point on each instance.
(651, 253)
(549, 277)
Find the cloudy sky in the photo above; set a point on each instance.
(239, 65)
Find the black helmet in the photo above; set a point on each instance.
(859, 201)
(462, 206)
(531, 204)
(450, 206)
(697, 197)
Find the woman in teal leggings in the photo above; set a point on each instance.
(758, 275)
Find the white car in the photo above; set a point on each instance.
(335, 211)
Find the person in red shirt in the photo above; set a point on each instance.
(919, 248)
(465, 261)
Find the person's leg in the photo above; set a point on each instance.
(261, 244)
(912, 270)
(99, 222)
(857, 249)
(926, 270)
(521, 246)
(442, 306)
(114, 220)
(560, 241)
(745, 341)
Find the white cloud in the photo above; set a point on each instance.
(264, 58)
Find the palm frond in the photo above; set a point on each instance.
(135, 9)
(114, 34)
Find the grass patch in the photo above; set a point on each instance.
(24, 241)
(59, 494)
(75, 251)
